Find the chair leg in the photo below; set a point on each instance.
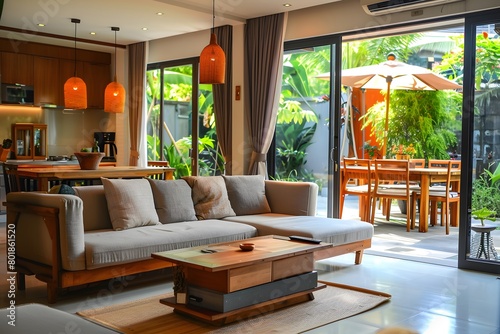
(341, 207)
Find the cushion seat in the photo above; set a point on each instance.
(331, 230)
(138, 243)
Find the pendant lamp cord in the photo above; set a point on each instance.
(115, 55)
(75, 49)
(213, 16)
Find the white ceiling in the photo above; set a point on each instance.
(131, 16)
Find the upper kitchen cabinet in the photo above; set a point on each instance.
(97, 76)
(46, 81)
(17, 68)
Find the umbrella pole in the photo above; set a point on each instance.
(387, 101)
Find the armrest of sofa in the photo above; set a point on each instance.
(292, 198)
(37, 217)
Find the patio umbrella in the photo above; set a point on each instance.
(393, 74)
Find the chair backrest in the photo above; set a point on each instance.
(358, 170)
(417, 163)
(436, 163)
(389, 171)
(154, 163)
(11, 178)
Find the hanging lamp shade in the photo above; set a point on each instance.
(212, 63)
(75, 89)
(114, 97)
(75, 93)
(114, 94)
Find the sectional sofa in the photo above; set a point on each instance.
(73, 236)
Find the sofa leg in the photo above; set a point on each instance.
(21, 281)
(359, 257)
(51, 293)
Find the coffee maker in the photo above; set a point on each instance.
(106, 143)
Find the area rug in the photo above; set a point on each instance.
(147, 316)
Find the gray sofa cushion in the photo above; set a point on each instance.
(95, 207)
(247, 194)
(209, 196)
(130, 203)
(107, 248)
(173, 201)
(331, 230)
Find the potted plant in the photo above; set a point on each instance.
(371, 150)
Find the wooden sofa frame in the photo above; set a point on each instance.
(58, 278)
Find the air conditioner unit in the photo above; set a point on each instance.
(381, 7)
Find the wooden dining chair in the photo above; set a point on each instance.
(357, 180)
(417, 163)
(392, 181)
(157, 163)
(440, 194)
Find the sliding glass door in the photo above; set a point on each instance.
(480, 198)
(308, 122)
(180, 120)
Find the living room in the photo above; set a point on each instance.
(189, 45)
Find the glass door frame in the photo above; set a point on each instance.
(335, 42)
(471, 22)
(194, 62)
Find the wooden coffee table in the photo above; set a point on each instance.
(230, 272)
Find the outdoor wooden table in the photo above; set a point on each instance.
(45, 174)
(426, 176)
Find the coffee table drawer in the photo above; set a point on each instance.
(230, 280)
(292, 266)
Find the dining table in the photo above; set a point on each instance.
(44, 175)
(425, 178)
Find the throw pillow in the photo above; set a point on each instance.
(247, 194)
(62, 189)
(130, 203)
(173, 201)
(209, 196)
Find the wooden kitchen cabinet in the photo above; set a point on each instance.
(30, 141)
(17, 68)
(46, 81)
(97, 76)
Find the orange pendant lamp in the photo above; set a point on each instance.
(212, 59)
(75, 89)
(114, 95)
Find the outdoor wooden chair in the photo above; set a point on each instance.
(392, 181)
(358, 172)
(154, 163)
(439, 194)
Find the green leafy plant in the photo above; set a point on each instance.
(484, 214)
(486, 191)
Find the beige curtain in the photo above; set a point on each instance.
(263, 68)
(222, 95)
(137, 82)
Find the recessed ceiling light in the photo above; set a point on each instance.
(144, 28)
(41, 25)
(159, 13)
(92, 33)
(287, 5)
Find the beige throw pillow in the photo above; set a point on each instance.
(130, 203)
(173, 201)
(210, 197)
(247, 194)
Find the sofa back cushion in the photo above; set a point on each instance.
(247, 194)
(130, 203)
(209, 197)
(95, 208)
(173, 201)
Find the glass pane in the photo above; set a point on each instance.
(485, 201)
(169, 119)
(210, 159)
(303, 122)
